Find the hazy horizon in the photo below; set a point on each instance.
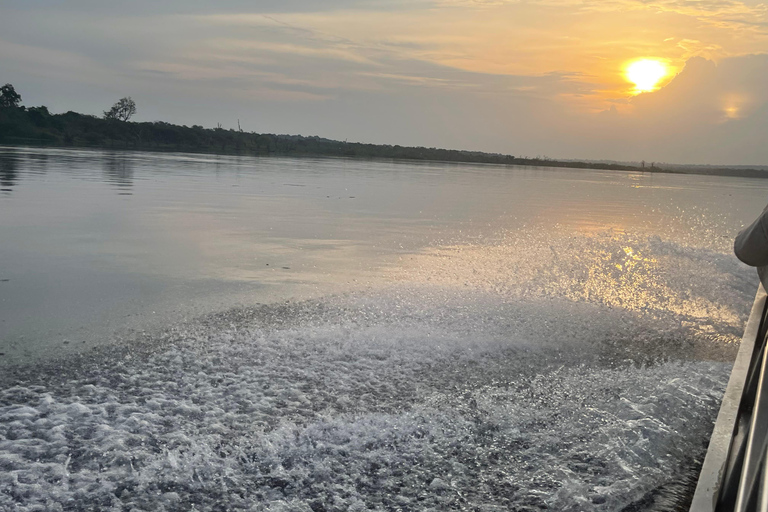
(540, 78)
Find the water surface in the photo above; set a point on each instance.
(96, 244)
(189, 331)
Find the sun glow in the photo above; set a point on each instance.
(645, 74)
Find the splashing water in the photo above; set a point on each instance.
(570, 373)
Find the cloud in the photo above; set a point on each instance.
(725, 13)
(174, 7)
(526, 77)
(708, 88)
(693, 47)
(339, 42)
(710, 113)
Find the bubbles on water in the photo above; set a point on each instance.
(577, 373)
(697, 287)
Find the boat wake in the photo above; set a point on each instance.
(574, 374)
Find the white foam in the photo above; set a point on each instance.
(422, 396)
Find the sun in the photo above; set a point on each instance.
(645, 74)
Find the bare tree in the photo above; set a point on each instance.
(122, 110)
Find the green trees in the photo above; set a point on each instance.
(9, 97)
(122, 110)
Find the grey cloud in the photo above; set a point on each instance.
(710, 113)
(280, 78)
(155, 7)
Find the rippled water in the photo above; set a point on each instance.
(444, 338)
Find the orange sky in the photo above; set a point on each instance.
(442, 72)
(589, 40)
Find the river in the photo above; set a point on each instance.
(241, 333)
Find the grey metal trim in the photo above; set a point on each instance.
(763, 507)
(710, 484)
(755, 452)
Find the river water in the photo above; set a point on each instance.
(234, 333)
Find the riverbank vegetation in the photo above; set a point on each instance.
(37, 126)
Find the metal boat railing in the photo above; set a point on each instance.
(734, 476)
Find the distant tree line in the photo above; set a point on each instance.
(37, 126)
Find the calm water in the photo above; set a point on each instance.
(337, 334)
(95, 244)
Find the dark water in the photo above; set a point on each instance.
(224, 333)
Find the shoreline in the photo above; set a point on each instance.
(37, 127)
(695, 170)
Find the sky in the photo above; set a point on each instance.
(521, 77)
